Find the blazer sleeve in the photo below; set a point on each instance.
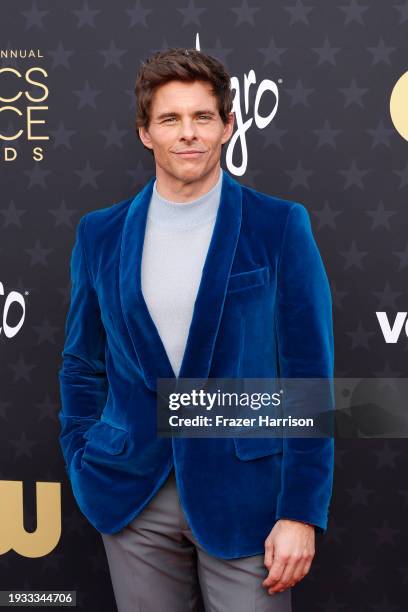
(305, 350)
(82, 376)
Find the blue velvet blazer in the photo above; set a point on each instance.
(263, 310)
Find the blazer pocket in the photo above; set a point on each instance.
(107, 437)
(248, 279)
(254, 448)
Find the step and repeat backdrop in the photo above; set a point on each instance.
(321, 105)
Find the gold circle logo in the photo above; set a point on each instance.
(399, 106)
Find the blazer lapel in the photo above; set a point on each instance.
(209, 302)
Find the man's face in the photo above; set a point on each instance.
(184, 118)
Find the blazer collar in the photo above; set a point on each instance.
(209, 302)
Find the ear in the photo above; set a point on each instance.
(145, 137)
(228, 128)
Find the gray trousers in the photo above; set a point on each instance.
(157, 565)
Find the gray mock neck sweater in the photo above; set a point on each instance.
(175, 246)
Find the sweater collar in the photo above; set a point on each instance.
(185, 214)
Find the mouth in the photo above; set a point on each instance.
(193, 154)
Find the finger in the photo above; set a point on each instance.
(275, 572)
(290, 569)
(268, 557)
(300, 571)
(307, 566)
(286, 577)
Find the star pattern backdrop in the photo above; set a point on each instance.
(331, 146)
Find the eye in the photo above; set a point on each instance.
(201, 117)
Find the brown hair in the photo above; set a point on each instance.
(183, 65)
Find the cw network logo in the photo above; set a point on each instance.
(12, 298)
(392, 333)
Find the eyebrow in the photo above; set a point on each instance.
(173, 114)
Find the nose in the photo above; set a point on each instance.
(188, 130)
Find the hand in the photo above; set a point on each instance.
(289, 552)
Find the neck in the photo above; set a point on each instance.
(184, 215)
(174, 190)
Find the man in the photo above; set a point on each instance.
(195, 276)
